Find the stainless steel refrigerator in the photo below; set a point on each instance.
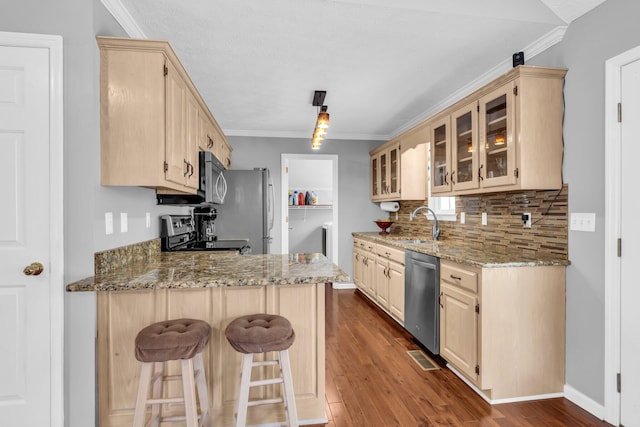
(247, 211)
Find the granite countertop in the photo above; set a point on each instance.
(477, 256)
(210, 269)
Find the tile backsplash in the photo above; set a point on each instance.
(504, 230)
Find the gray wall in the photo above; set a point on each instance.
(356, 212)
(605, 32)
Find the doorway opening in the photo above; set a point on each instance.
(310, 221)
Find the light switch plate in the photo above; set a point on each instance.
(108, 223)
(148, 219)
(124, 226)
(484, 218)
(462, 218)
(583, 222)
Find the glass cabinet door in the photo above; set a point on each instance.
(497, 164)
(375, 177)
(394, 170)
(384, 184)
(465, 148)
(440, 156)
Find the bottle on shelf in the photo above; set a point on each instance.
(295, 198)
(301, 198)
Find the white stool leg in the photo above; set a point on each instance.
(143, 391)
(189, 390)
(201, 384)
(243, 394)
(158, 371)
(289, 396)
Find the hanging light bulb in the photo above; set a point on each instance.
(323, 118)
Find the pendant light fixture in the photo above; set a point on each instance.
(322, 122)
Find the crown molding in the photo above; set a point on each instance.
(302, 135)
(124, 18)
(538, 46)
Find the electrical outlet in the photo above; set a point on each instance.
(526, 220)
(124, 225)
(484, 218)
(148, 220)
(462, 218)
(108, 223)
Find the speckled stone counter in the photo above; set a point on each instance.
(474, 255)
(172, 270)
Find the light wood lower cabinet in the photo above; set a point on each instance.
(379, 273)
(504, 328)
(122, 314)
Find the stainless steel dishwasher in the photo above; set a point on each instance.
(421, 310)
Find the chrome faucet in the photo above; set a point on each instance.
(435, 229)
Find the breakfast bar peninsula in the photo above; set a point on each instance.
(217, 288)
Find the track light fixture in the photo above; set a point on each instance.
(322, 122)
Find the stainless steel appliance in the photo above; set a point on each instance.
(180, 233)
(422, 289)
(247, 211)
(212, 188)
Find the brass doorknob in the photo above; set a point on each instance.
(33, 269)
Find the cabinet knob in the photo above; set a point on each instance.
(453, 178)
(186, 167)
(480, 178)
(455, 277)
(440, 300)
(446, 175)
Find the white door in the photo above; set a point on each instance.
(25, 322)
(630, 232)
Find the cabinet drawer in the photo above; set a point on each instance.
(456, 274)
(393, 254)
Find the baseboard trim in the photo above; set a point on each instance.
(584, 401)
(508, 400)
(344, 286)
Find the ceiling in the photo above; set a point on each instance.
(385, 65)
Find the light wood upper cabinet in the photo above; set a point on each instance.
(464, 147)
(385, 172)
(153, 121)
(440, 140)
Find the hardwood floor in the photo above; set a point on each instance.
(371, 381)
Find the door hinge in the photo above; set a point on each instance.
(516, 172)
(286, 169)
(619, 247)
(478, 108)
(165, 70)
(515, 90)
(286, 220)
(619, 112)
(166, 166)
(478, 308)
(618, 385)
(478, 369)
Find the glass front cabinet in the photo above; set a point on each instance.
(385, 173)
(504, 137)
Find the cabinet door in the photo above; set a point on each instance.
(383, 160)
(192, 140)
(356, 265)
(464, 148)
(393, 170)
(396, 290)
(459, 329)
(497, 137)
(375, 177)
(369, 273)
(176, 92)
(382, 282)
(440, 156)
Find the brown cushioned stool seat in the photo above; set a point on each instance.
(181, 340)
(259, 333)
(172, 340)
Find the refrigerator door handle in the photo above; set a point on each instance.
(270, 208)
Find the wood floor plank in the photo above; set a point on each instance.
(371, 381)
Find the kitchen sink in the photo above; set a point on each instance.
(414, 241)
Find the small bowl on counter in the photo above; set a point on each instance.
(383, 225)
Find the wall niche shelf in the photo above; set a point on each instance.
(310, 207)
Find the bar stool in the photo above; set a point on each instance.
(180, 339)
(261, 333)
